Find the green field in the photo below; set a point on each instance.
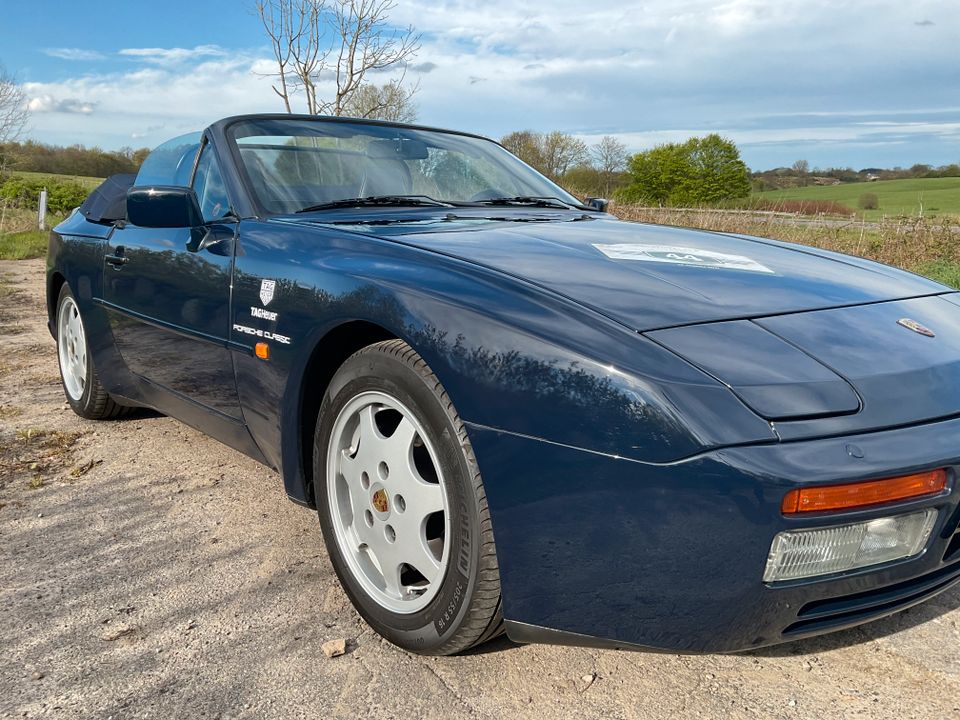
(89, 183)
(936, 197)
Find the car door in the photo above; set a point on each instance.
(168, 295)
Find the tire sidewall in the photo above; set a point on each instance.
(79, 406)
(429, 628)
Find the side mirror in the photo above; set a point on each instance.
(598, 203)
(163, 206)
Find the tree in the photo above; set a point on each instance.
(13, 115)
(390, 101)
(552, 153)
(701, 171)
(343, 41)
(526, 145)
(609, 159)
(13, 107)
(562, 152)
(802, 169)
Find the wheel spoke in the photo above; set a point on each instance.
(368, 435)
(74, 325)
(388, 560)
(351, 469)
(397, 448)
(423, 498)
(417, 554)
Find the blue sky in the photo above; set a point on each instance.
(837, 82)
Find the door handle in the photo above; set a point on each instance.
(118, 259)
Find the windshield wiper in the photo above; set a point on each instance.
(531, 201)
(376, 200)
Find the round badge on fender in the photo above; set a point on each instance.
(916, 327)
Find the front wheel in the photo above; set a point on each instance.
(402, 505)
(81, 385)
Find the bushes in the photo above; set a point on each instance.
(62, 195)
(702, 171)
(869, 201)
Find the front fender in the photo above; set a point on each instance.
(511, 355)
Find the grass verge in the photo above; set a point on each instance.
(916, 197)
(24, 245)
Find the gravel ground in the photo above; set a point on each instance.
(148, 571)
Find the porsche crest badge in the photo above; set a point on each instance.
(915, 326)
(380, 503)
(266, 291)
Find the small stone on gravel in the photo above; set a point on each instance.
(334, 648)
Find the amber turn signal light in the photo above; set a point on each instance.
(262, 351)
(863, 494)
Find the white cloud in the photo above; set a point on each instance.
(78, 54)
(173, 56)
(149, 103)
(50, 104)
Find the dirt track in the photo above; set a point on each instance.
(148, 571)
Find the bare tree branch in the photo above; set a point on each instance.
(345, 41)
(13, 107)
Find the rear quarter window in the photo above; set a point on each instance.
(170, 163)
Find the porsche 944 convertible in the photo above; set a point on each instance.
(512, 411)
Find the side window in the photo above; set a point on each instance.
(208, 184)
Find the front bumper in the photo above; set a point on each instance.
(609, 552)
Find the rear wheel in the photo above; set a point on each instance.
(402, 505)
(80, 382)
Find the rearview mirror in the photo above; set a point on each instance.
(163, 206)
(398, 149)
(598, 203)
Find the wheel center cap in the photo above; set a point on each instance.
(379, 501)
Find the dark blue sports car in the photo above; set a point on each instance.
(512, 411)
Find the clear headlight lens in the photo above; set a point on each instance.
(798, 554)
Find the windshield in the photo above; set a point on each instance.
(297, 164)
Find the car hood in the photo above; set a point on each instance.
(649, 276)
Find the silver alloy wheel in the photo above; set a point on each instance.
(387, 498)
(72, 349)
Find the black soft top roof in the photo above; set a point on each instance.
(108, 203)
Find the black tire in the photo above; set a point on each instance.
(466, 609)
(94, 403)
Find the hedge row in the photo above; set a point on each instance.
(62, 195)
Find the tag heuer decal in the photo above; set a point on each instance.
(266, 291)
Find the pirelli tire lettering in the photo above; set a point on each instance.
(265, 334)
